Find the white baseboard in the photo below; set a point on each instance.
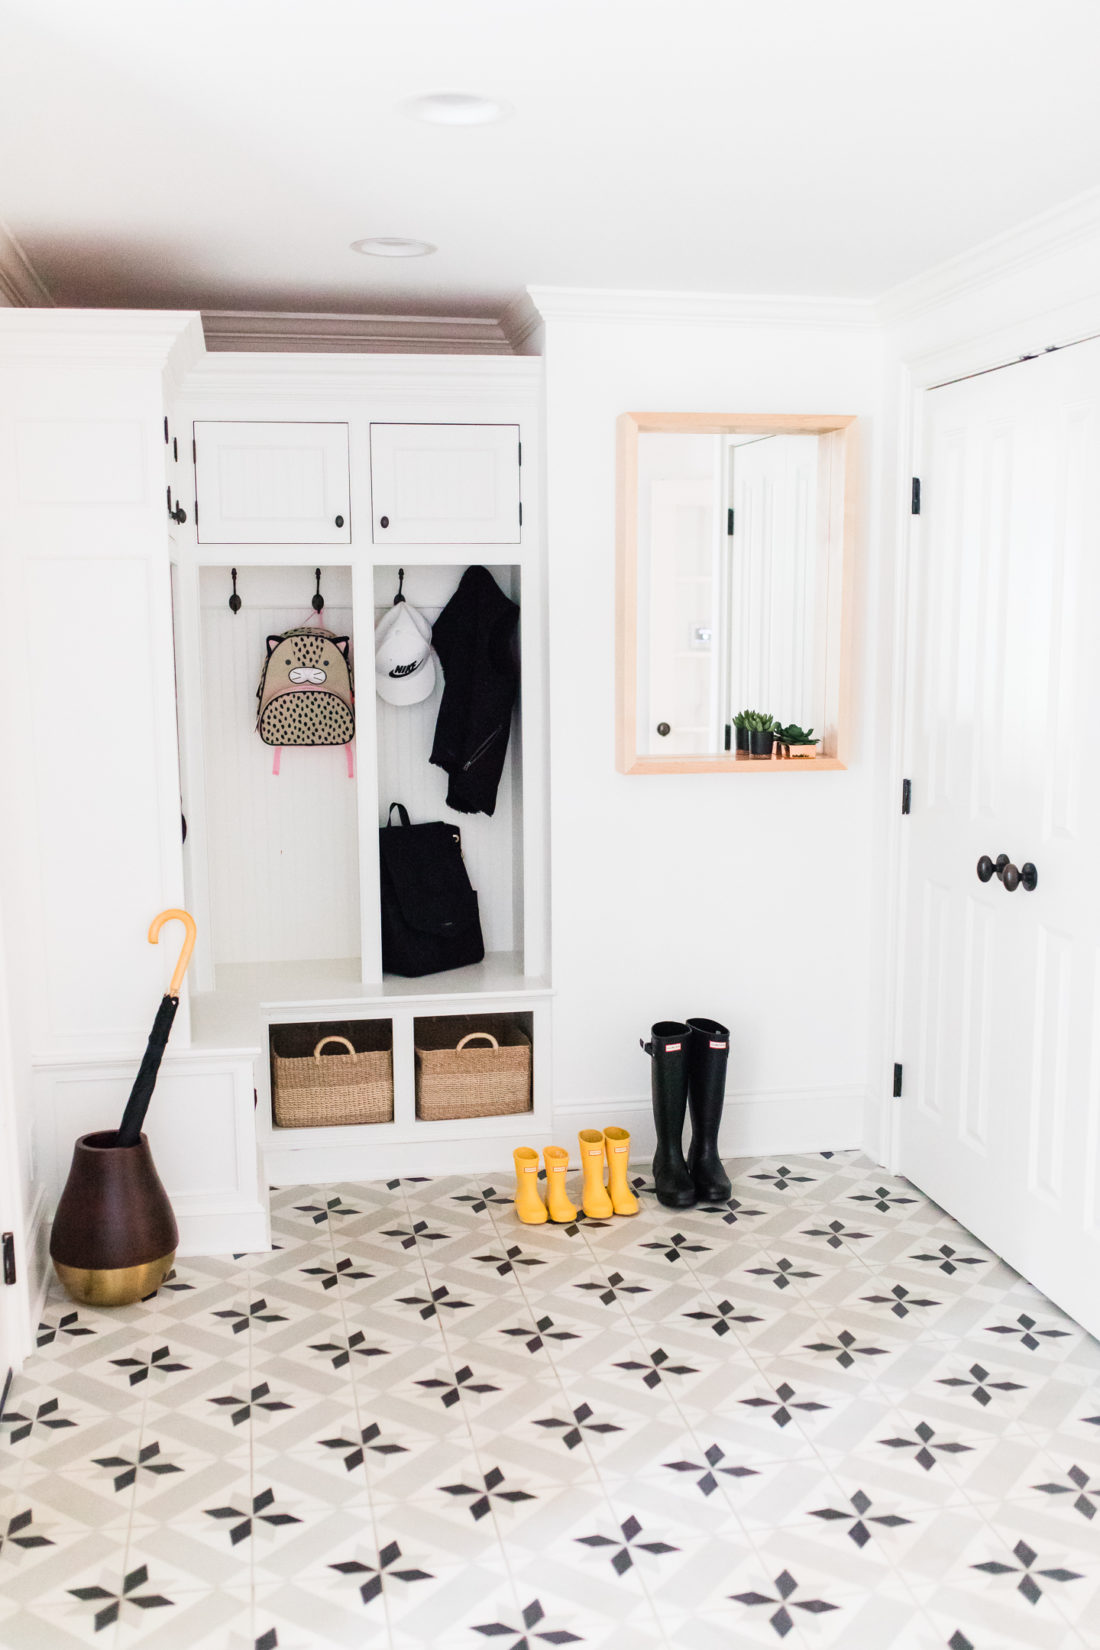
(37, 1256)
(224, 1231)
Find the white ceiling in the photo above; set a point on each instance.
(222, 154)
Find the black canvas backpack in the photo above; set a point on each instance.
(430, 919)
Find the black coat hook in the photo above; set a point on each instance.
(400, 585)
(234, 600)
(318, 600)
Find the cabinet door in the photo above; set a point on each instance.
(445, 483)
(272, 483)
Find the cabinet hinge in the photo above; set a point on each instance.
(897, 1080)
(521, 513)
(916, 496)
(8, 1241)
(729, 524)
(166, 429)
(906, 795)
(194, 451)
(520, 450)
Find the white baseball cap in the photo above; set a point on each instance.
(404, 666)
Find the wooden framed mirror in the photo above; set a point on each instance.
(734, 544)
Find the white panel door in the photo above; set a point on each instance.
(261, 483)
(1000, 1115)
(682, 630)
(445, 483)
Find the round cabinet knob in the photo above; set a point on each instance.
(663, 729)
(383, 521)
(985, 869)
(1010, 877)
(339, 521)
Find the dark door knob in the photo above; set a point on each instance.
(663, 729)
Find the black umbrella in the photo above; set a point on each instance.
(144, 1083)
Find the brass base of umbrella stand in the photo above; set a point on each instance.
(114, 1286)
(114, 1235)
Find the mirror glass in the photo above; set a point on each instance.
(733, 565)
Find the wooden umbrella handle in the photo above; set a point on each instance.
(186, 949)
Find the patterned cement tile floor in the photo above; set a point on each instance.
(821, 1414)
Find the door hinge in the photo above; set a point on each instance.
(906, 796)
(8, 1241)
(729, 524)
(897, 1081)
(916, 495)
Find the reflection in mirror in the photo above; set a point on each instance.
(731, 561)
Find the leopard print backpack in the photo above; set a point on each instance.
(306, 694)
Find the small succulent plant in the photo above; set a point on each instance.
(792, 734)
(755, 721)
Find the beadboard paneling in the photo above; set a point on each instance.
(405, 735)
(284, 874)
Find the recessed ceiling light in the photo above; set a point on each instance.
(456, 109)
(392, 246)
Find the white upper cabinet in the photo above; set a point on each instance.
(445, 483)
(272, 483)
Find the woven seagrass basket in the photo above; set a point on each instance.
(326, 1075)
(471, 1066)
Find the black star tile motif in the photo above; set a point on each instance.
(511, 1258)
(535, 1339)
(157, 1363)
(452, 1392)
(882, 1199)
(342, 1352)
(722, 1317)
(677, 1246)
(420, 1233)
(924, 1447)
(859, 1519)
(172, 1282)
(369, 1439)
(845, 1350)
(611, 1288)
(110, 1604)
(982, 1388)
(783, 1178)
(321, 1212)
(1025, 1568)
(17, 1533)
(239, 1521)
(480, 1201)
(430, 1305)
(330, 1276)
(732, 1210)
(409, 1180)
(48, 1414)
(572, 1429)
(949, 1260)
(380, 1572)
(899, 1300)
(782, 1404)
(259, 1397)
(835, 1234)
(148, 1460)
(268, 1640)
(657, 1367)
(959, 1641)
(706, 1482)
(484, 1494)
(625, 1544)
(781, 1273)
(257, 1311)
(532, 1614)
(1079, 1481)
(1026, 1332)
(785, 1586)
(68, 1324)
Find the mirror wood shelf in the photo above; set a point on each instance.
(709, 619)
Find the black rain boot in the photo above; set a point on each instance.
(669, 1051)
(708, 1054)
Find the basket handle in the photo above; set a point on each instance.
(470, 1035)
(324, 1040)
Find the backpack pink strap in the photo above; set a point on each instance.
(351, 762)
(277, 763)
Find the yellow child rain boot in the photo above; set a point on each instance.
(617, 1146)
(594, 1199)
(556, 1159)
(529, 1205)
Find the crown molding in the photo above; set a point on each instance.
(520, 321)
(1062, 228)
(20, 285)
(286, 332)
(628, 307)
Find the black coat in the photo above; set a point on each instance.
(473, 638)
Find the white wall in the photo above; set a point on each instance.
(697, 894)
